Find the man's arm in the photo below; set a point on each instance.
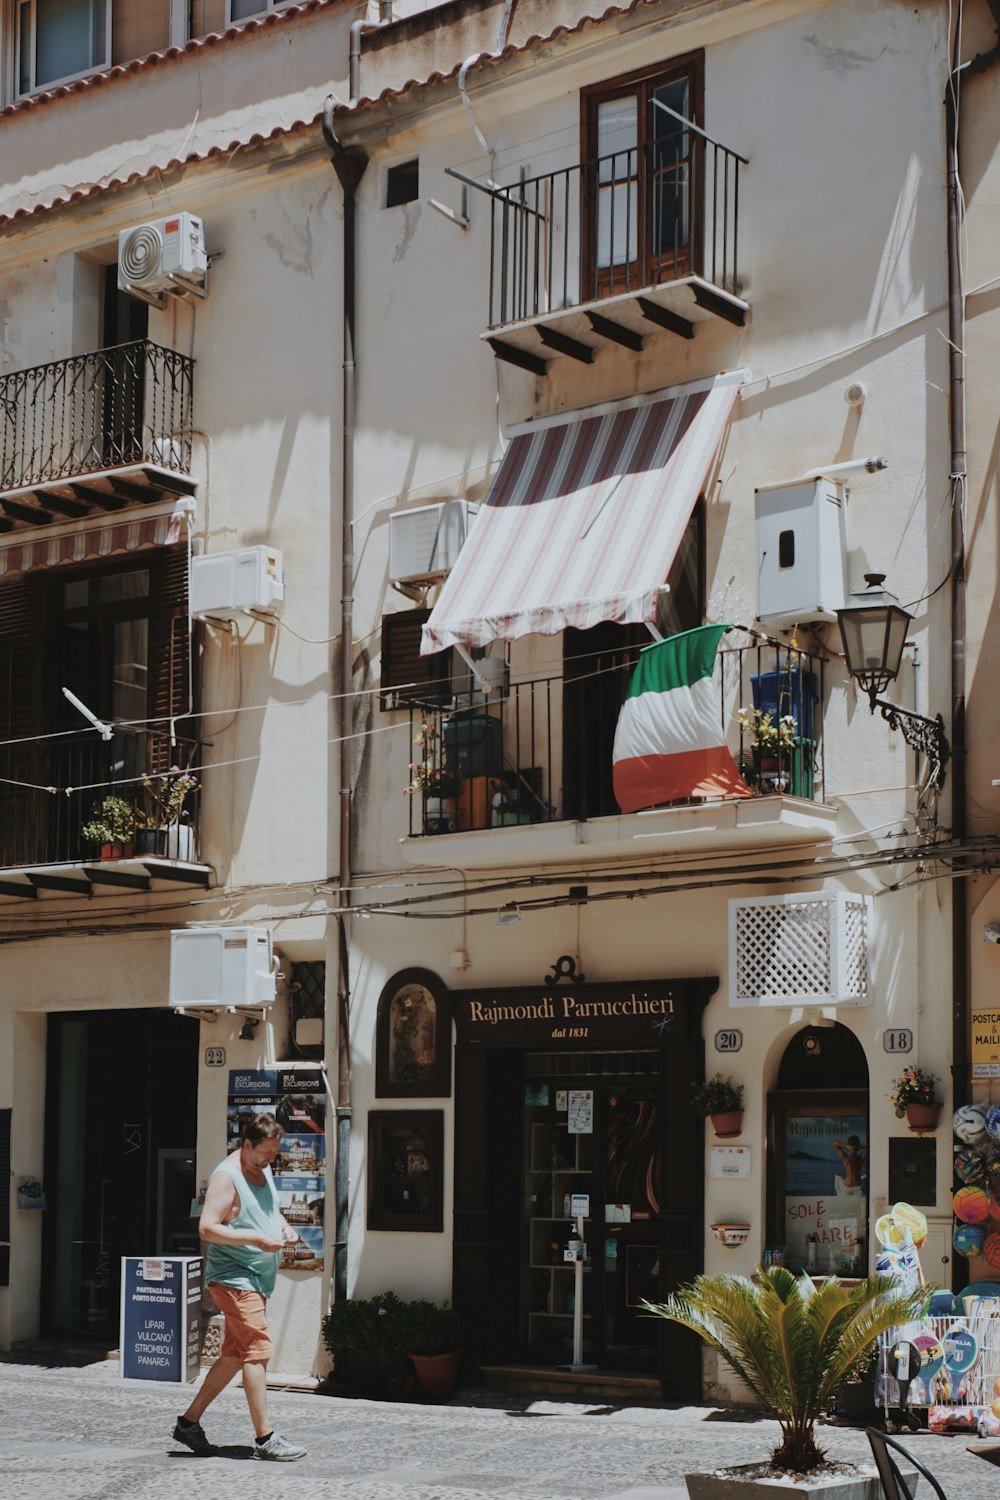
(289, 1233)
(220, 1200)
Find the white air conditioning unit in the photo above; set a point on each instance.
(424, 543)
(221, 967)
(229, 583)
(167, 255)
(806, 949)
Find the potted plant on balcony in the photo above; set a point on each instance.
(434, 782)
(772, 744)
(168, 831)
(434, 1344)
(914, 1096)
(793, 1343)
(723, 1100)
(112, 828)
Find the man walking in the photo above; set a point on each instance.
(245, 1230)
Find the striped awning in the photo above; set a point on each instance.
(74, 546)
(584, 518)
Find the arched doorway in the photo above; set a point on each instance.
(817, 1208)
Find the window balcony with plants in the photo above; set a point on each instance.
(529, 767)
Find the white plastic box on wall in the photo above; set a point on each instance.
(221, 966)
(229, 583)
(807, 949)
(424, 543)
(801, 552)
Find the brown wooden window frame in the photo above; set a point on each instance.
(436, 1082)
(428, 681)
(641, 84)
(383, 1126)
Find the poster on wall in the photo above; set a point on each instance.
(297, 1099)
(986, 1043)
(826, 1192)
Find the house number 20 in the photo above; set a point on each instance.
(728, 1041)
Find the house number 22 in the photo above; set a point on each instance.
(728, 1041)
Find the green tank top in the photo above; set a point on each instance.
(246, 1267)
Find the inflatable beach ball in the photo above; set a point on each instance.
(991, 1248)
(993, 1122)
(971, 1205)
(970, 1167)
(907, 1217)
(968, 1239)
(969, 1124)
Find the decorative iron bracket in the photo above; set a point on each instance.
(925, 735)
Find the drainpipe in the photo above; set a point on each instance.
(349, 166)
(961, 1060)
(354, 53)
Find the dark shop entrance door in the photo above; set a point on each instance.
(120, 1132)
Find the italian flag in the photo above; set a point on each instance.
(669, 743)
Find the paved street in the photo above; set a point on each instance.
(87, 1435)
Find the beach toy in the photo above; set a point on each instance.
(969, 1124)
(971, 1205)
(968, 1239)
(991, 1248)
(888, 1232)
(993, 1122)
(961, 1350)
(995, 1408)
(905, 1216)
(970, 1165)
(931, 1356)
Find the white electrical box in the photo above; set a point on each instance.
(221, 966)
(801, 552)
(424, 543)
(165, 255)
(225, 583)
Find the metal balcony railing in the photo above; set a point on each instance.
(131, 404)
(52, 789)
(626, 221)
(540, 751)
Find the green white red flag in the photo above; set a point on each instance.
(669, 744)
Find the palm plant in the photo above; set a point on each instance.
(792, 1342)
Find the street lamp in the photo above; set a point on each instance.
(873, 630)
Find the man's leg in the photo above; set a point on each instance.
(215, 1381)
(255, 1390)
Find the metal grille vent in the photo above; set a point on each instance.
(306, 1008)
(142, 253)
(800, 950)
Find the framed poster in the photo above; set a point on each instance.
(406, 1170)
(818, 1181)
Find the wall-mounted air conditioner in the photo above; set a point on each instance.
(229, 583)
(166, 255)
(221, 966)
(801, 552)
(424, 543)
(805, 949)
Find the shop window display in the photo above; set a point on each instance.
(406, 1170)
(413, 1038)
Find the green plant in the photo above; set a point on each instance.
(429, 775)
(433, 1329)
(790, 1341)
(716, 1096)
(168, 793)
(114, 822)
(366, 1338)
(766, 733)
(913, 1087)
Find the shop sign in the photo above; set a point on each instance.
(986, 1043)
(297, 1097)
(643, 1011)
(161, 1318)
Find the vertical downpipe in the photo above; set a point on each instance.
(349, 167)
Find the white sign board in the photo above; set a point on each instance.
(730, 1161)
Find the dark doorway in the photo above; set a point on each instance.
(121, 1122)
(125, 330)
(597, 669)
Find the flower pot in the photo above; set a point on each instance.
(729, 1122)
(754, 1481)
(180, 841)
(116, 851)
(922, 1116)
(437, 1374)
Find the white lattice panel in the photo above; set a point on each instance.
(806, 949)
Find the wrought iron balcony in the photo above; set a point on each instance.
(75, 813)
(611, 250)
(127, 408)
(540, 751)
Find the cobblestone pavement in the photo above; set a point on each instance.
(88, 1435)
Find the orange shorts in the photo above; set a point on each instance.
(247, 1338)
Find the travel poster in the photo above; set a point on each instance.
(826, 1192)
(297, 1099)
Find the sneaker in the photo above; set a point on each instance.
(278, 1449)
(192, 1435)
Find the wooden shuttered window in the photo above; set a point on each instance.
(139, 27)
(20, 637)
(408, 677)
(169, 652)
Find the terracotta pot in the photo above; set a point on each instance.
(116, 851)
(728, 1123)
(437, 1374)
(922, 1116)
